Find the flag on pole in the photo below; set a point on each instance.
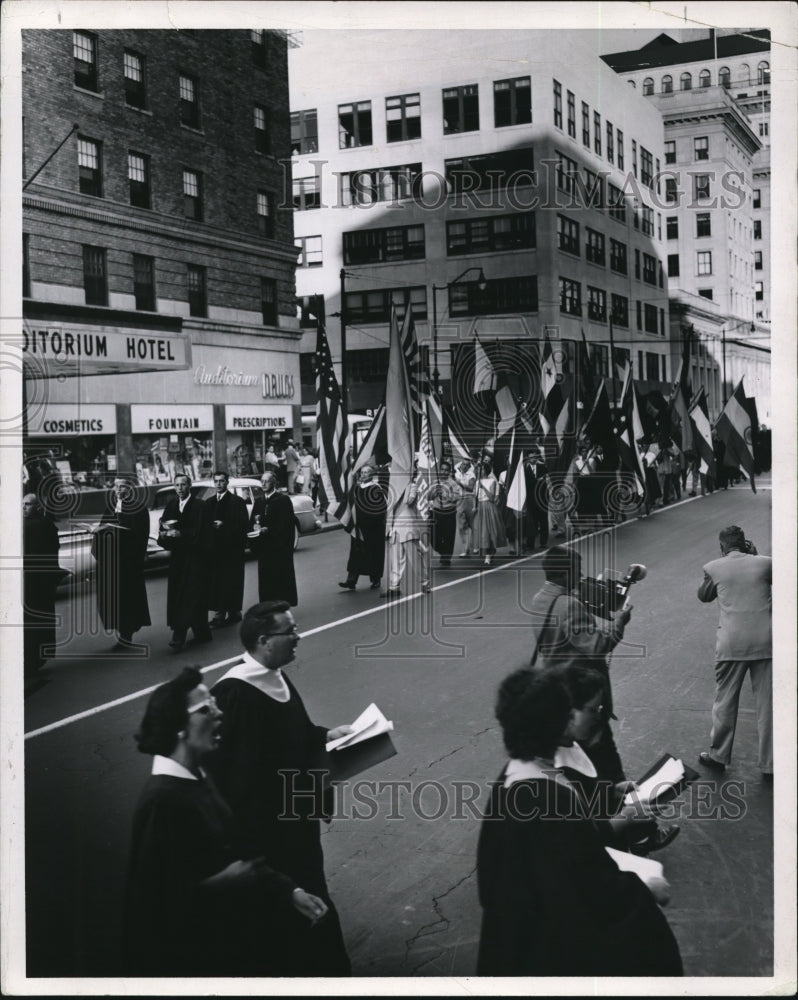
(332, 432)
(516, 491)
(417, 379)
(598, 426)
(399, 415)
(586, 393)
(484, 372)
(702, 432)
(554, 410)
(629, 431)
(427, 467)
(372, 452)
(734, 429)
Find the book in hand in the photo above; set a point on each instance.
(368, 744)
(663, 781)
(645, 869)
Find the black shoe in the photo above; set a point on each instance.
(178, 640)
(426, 588)
(217, 621)
(347, 584)
(234, 619)
(390, 594)
(710, 762)
(375, 585)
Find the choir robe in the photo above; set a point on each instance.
(120, 549)
(41, 575)
(227, 545)
(187, 588)
(275, 548)
(367, 541)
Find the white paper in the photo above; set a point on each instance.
(671, 773)
(644, 868)
(370, 722)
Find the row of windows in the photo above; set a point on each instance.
(700, 149)
(512, 105)
(614, 136)
(702, 189)
(705, 79)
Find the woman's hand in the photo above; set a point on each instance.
(236, 872)
(660, 889)
(309, 906)
(338, 732)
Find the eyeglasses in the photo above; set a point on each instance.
(293, 631)
(203, 707)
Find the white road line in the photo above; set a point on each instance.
(344, 621)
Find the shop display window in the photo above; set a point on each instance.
(159, 458)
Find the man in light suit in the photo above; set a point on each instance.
(741, 581)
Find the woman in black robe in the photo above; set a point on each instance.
(41, 575)
(554, 902)
(193, 907)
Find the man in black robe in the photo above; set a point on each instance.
(273, 517)
(41, 574)
(536, 522)
(267, 769)
(183, 532)
(226, 520)
(445, 493)
(120, 548)
(367, 541)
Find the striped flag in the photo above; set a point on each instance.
(331, 428)
(702, 432)
(372, 452)
(427, 467)
(399, 415)
(629, 431)
(555, 410)
(734, 429)
(418, 380)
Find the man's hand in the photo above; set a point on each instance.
(309, 906)
(623, 617)
(660, 889)
(338, 732)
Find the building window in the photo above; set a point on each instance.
(610, 143)
(490, 172)
(634, 157)
(594, 246)
(144, 282)
(764, 129)
(570, 297)
(138, 174)
(95, 282)
(650, 319)
(652, 364)
(672, 227)
(701, 190)
(310, 251)
(759, 291)
(571, 115)
(262, 137)
(648, 220)
(686, 81)
(512, 101)
(84, 51)
(197, 297)
(403, 117)
(667, 84)
(135, 86)
(704, 258)
(376, 246)
(354, 125)
(618, 257)
(671, 191)
(568, 234)
(461, 109)
(757, 260)
(258, 47)
(600, 359)
(566, 172)
(649, 269)
(26, 265)
(673, 265)
(670, 151)
(189, 101)
(648, 87)
(724, 77)
(757, 229)
(192, 195)
(264, 204)
(616, 203)
(703, 224)
(705, 293)
(744, 76)
(499, 232)
(646, 167)
(306, 193)
(585, 125)
(304, 132)
(90, 167)
(593, 191)
(620, 310)
(757, 198)
(704, 78)
(637, 264)
(597, 133)
(501, 295)
(701, 147)
(763, 74)
(596, 304)
(619, 138)
(557, 103)
(374, 306)
(639, 315)
(268, 301)
(390, 184)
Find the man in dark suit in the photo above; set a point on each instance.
(226, 523)
(536, 476)
(367, 541)
(41, 574)
(741, 581)
(183, 532)
(273, 518)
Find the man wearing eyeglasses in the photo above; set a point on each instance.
(267, 770)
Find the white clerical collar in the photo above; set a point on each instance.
(170, 767)
(575, 758)
(524, 770)
(269, 682)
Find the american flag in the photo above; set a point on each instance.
(331, 429)
(427, 467)
(418, 380)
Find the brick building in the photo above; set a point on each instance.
(158, 251)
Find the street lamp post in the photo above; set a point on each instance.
(482, 284)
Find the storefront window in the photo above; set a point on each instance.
(85, 462)
(159, 458)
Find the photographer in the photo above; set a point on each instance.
(741, 581)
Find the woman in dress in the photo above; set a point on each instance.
(488, 528)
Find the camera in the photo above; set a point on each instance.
(606, 594)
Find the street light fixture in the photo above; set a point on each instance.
(482, 284)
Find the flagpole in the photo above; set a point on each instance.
(612, 364)
(343, 386)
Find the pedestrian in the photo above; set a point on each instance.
(536, 479)
(291, 456)
(266, 768)
(488, 528)
(271, 538)
(741, 581)
(407, 530)
(676, 465)
(282, 473)
(566, 632)
(270, 461)
(41, 576)
(465, 475)
(119, 546)
(305, 474)
(664, 463)
(184, 533)
(194, 906)
(445, 493)
(367, 539)
(554, 903)
(226, 521)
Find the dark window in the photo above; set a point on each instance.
(95, 282)
(189, 101)
(585, 125)
(262, 136)
(512, 101)
(705, 293)
(594, 247)
(597, 132)
(620, 310)
(461, 109)
(571, 115)
(403, 117)
(390, 184)
(501, 295)
(646, 167)
(374, 306)
(570, 297)
(704, 78)
(600, 359)
(370, 365)
(264, 204)
(649, 269)
(610, 142)
(90, 174)
(670, 151)
(304, 132)
(763, 74)
(192, 195)
(701, 147)
(703, 224)
(648, 87)
(26, 265)
(757, 260)
(498, 232)
(197, 296)
(672, 227)
(686, 81)
(258, 47)
(306, 194)
(557, 103)
(650, 319)
(648, 220)
(667, 84)
(701, 189)
(144, 282)
(568, 234)
(759, 291)
(490, 172)
(138, 173)
(757, 202)
(724, 77)
(373, 246)
(596, 304)
(567, 171)
(135, 84)
(268, 301)
(310, 251)
(671, 191)
(634, 157)
(637, 264)
(652, 364)
(639, 315)
(757, 229)
(593, 192)
(616, 203)
(673, 265)
(618, 256)
(84, 51)
(619, 137)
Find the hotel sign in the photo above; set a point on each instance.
(51, 350)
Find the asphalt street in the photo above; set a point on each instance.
(400, 855)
